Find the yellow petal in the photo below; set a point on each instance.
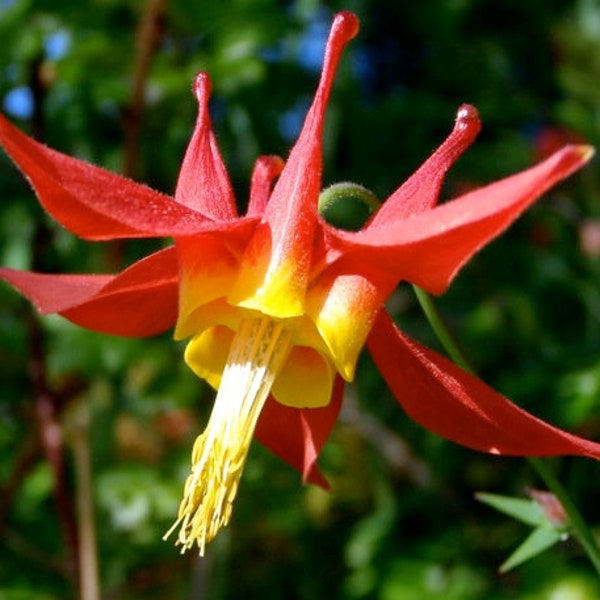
(305, 381)
(207, 272)
(343, 308)
(273, 287)
(206, 353)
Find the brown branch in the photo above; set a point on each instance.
(47, 405)
(147, 39)
(50, 430)
(148, 36)
(28, 456)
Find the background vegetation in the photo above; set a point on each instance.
(109, 81)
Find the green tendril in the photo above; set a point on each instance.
(347, 205)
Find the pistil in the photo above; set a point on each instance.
(257, 353)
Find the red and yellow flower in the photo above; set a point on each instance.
(277, 304)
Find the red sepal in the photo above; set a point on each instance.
(140, 301)
(421, 190)
(266, 170)
(203, 182)
(298, 435)
(429, 248)
(459, 407)
(94, 203)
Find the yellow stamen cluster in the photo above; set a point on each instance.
(257, 353)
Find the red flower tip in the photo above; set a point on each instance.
(345, 26)
(202, 88)
(467, 118)
(571, 158)
(551, 505)
(266, 169)
(585, 152)
(203, 184)
(550, 139)
(420, 192)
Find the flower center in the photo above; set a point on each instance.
(257, 353)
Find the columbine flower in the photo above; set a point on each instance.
(278, 304)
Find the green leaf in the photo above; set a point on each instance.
(527, 511)
(539, 540)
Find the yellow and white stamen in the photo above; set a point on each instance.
(257, 353)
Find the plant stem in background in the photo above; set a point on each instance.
(148, 35)
(147, 38)
(578, 526)
(47, 404)
(441, 330)
(89, 586)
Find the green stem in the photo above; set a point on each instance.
(442, 331)
(578, 526)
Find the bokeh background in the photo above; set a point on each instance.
(109, 81)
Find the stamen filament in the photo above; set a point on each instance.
(257, 353)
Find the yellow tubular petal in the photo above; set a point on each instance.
(217, 312)
(206, 353)
(207, 271)
(343, 308)
(273, 287)
(305, 381)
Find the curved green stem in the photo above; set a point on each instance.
(578, 526)
(442, 331)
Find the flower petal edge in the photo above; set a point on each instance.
(457, 406)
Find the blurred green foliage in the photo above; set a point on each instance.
(527, 309)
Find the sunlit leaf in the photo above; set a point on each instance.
(527, 511)
(540, 539)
